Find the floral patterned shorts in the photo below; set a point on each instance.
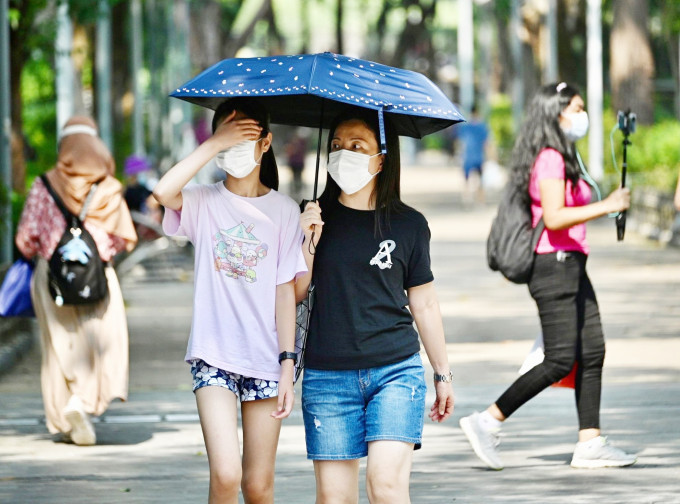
(247, 389)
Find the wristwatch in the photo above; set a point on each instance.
(287, 355)
(446, 378)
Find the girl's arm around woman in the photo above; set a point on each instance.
(285, 327)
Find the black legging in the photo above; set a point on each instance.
(572, 332)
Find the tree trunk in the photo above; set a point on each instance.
(339, 43)
(234, 45)
(120, 77)
(206, 41)
(632, 62)
(18, 56)
(17, 138)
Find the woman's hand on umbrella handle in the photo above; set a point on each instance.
(233, 131)
(311, 222)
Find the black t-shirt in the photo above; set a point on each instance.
(360, 319)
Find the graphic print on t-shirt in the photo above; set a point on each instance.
(383, 259)
(237, 252)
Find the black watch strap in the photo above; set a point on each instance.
(287, 355)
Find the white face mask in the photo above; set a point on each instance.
(239, 160)
(350, 170)
(579, 125)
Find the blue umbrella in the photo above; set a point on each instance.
(311, 89)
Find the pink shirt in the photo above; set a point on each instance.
(244, 248)
(549, 164)
(42, 225)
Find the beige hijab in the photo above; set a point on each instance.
(84, 159)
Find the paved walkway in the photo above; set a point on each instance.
(150, 449)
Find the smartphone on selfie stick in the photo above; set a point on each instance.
(627, 124)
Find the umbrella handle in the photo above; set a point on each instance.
(318, 152)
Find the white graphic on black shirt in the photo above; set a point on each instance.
(383, 258)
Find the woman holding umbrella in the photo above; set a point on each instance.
(546, 169)
(363, 391)
(247, 246)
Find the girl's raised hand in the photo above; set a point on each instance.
(233, 131)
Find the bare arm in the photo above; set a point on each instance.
(310, 220)
(558, 216)
(285, 328)
(424, 306)
(168, 191)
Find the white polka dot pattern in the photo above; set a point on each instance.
(336, 78)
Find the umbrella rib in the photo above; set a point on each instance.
(311, 74)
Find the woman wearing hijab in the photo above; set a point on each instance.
(84, 347)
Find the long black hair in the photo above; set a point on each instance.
(252, 108)
(387, 191)
(541, 129)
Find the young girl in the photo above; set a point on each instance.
(363, 392)
(247, 246)
(546, 169)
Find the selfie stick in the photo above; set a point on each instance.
(621, 218)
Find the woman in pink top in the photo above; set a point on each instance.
(545, 166)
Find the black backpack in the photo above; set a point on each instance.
(76, 272)
(512, 241)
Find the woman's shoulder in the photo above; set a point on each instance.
(284, 202)
(549, 164)
(408, 215)
(550, 155)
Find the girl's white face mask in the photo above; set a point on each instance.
(579, 125)
(238, 161)
(350, 170)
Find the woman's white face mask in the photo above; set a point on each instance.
(350, 169)
(579, 125)
(239, 161)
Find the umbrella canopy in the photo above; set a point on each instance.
(295, 88)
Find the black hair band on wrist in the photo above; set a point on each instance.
(287, 355)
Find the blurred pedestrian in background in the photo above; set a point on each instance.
(140, 180)
(545, 167)
(473, 136)
(84, 347)
(247, 254)
(363, 391)
(296, 149)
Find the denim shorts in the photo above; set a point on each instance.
(245, 388)
(344, 410)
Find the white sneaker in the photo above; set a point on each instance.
(82, 431)
(599, 453)
(483, 441)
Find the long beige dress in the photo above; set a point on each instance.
(84, 349)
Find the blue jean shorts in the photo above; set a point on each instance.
(345, 410)
(245, 388)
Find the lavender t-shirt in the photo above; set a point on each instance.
(549, 164)
(244, 248)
